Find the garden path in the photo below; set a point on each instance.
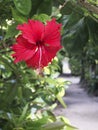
(82, 110)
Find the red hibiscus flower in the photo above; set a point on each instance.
(38, 43)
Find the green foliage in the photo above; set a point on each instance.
(23, 6)
(11, 31)
(42, 17)
(76, 28)
(42, 123)
(35, 6)
(18, 17)
(43, 8)
(5, 10)
(20, 91)
(75, 66)
(80, 37)
(68, 8)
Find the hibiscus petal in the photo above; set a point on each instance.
(23, 42)
(37, 60)
(43, 56)
(52, 35)
(53, 51)
(34, 61)
(23, 50)
(47, 55)
(32, 31)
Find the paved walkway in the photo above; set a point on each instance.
(82, 110)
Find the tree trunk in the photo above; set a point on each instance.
(82, 78)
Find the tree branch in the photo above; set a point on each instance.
(88, 6)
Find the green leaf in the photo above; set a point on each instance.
(35, 6)
(93, 29)
(42, 17)
(38, 123)
(8, 96)
(61, 101)
(61, 1)
(67, 123)
(68, 8)
(45, 7)
(18, 16)
(57, 125)
(50, 80)
(51, 115)
(24, 113)
(76, 35)
(23, 6)
(11, 31)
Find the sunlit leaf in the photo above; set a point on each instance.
(61, 101)
(42, 17)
